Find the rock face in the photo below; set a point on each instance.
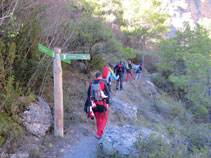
(128, 111)
(38, 119)
(191, 11)
(121, 141)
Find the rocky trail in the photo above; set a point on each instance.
(129, 109)
(80, 139)
(87, 145)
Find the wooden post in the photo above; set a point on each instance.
(58, 95)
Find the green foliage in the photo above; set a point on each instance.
(160, 81)
(97, 63)
(201, 113)
(2, 140)
(92, 31)
(157, 147)
(128, 53)
(186, 58)
(112, 50)
(183, 141)
(9, 129)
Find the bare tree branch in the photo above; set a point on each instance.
(7, 15)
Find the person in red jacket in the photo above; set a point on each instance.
(98, 93)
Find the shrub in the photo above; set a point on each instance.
(97, 63)
(160, 81)
(201, 113)
(156, 147)
(9, 129)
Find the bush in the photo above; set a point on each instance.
(201, 113)
(160, 81)
(97, 63)
(156, 147)
(9, 129)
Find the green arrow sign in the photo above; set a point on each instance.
(76, 56)
(46, 50)
(51, 53)
(64, 57)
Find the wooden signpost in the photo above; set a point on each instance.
(58, 90)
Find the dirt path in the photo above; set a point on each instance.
(85, 148)
(86, 145)
(80, 141)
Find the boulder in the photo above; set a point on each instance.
(38, 118)
(128, 111)
(122, 141)
(119, 141)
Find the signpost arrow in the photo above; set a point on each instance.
(46, 50)
(49, 52)
(58, 90)
(76, 56)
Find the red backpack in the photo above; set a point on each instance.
(119, 67)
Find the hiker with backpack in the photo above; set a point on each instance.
(129, 68)
(97, 103)
(108, 76)
(119, 69)
(137, 69)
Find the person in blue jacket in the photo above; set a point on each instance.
(108, 76)
(119, 69)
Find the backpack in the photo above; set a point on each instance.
(106, 74)
(120, 68)
(129, 66)
(96, 91)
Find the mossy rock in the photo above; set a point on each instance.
(201, 113)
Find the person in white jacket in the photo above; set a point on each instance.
(137, 69)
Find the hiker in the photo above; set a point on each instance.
(137, 69)
(108, 76)
(119, 69)
(129, 68)
(98, 94)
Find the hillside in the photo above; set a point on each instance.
(166, 114)
(141, 114)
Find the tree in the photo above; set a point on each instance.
(146, 25)
(186, 58)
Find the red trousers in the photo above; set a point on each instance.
(101, 121)
(129, 73)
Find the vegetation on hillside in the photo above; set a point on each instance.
(108, 30)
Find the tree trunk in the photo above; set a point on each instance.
(143, 40)
(208, 82)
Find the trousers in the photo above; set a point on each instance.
(129, 73)
(138, 75)
(120, 80)
(101, 120)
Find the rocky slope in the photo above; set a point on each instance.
(191, 11)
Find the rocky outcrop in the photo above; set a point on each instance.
(191, 11)
(121, 141)
(38, 118)
(127, 111)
